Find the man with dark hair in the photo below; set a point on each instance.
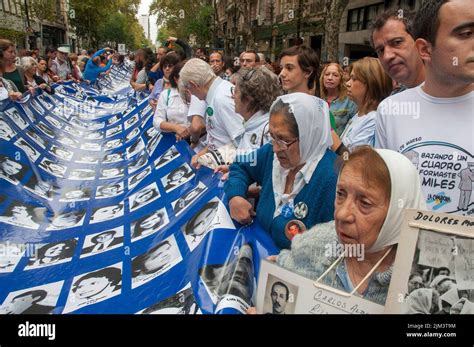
(280, 295)
(27, 303)
(394, 44)
(435, 119)
(216, 60)
(249, 59)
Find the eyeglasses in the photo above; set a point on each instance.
(232, 91)
(166, 66)
(284, 145)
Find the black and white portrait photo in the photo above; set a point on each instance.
(182, 302)
(167, 157)
(90, 146)
(177, 177)
(112, 120)
(113, 144)
(131, 121)
(28, 113)
(235, 277)
(36, 106)
(82, 175)
(143, 197)
(135, 148)
(113, 158)
(280, 296)
(113, 131)
(139, 162)
(95, 135)
(132, 134)
(16, 118)
(201, 223)
(40, 188)
(109, 191)
(54, 122)
(156, 261)
(53, 168)
(6, 132)
(111, 173)
(187, 199)
(37, 139)
(46, 130)
(104, 241)
(11, 170)
(73, 131)
(153, 144)
(75, 194)
(93, 287)
(107, 213)
(66, 220)
(87, 159)
(23, 215)
(149, 224)
(137, 178)
(61, 153)
(10, 256)
(53, 253)
(68, 141)
(37, 300)
(30, 151)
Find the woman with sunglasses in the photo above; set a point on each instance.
(296, 171)
(167, 63)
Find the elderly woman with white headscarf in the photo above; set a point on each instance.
(296, 171)
(355, 252)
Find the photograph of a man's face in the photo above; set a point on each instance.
(109, 191)
(66, 220)
(30, 151)
(16, 118)
(6, 132)
(144, 197)
(106, 213)
(53, 168)
(23, 215)
(75, 194)
(11, 170)
(280, 296)
(61, 153)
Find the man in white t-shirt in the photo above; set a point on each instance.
(224, 126)
(433, 124)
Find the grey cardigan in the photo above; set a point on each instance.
(309, 257)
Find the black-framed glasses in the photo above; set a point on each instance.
(232, 91)
(281, 143)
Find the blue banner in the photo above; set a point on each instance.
(101, 213)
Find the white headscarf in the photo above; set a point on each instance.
(419, 301)
(312, 117)
(406, 193)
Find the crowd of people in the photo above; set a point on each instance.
(276, 131)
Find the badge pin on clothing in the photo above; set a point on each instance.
(253, 139)
(301, 210)
(209, 111)
(293, 228)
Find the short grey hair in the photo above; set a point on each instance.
(28, 62)
(196, 70)
(260, 87)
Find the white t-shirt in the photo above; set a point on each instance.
(197, 107)
(170, 108)
(437, 135)
(255, 129)
(359, 130)
(223, 124)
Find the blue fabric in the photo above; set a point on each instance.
(92, 71)
(318, 195)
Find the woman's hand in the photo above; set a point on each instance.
(14, 96)
(182, 132)
(252, 310)
(153, 103)
(241, 210)
(224, 170)
(194, 162)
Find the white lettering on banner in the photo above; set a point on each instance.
(37, 330)
(464, 264)
(435, 250)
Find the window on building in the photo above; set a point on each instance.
(362, 17)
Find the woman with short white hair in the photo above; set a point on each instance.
(32, 80)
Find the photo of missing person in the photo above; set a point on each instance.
(155, 262)
(23, 215)
(87, 159)
(131, 121)
(132, 134)
(109, 191)
(10, 256)
(46, 130)
(144, 197)
(95, 135)
(16, 118)
(149, 224)
(137, 178)
(439, 282)
(40, 188)
(28, 113)
(182, 302)
(103, 241)
(113, 158)
(82, 175)
(73, 131)
(68, 219)
(94, 287)
(107, 213)
(139, 162)
(61, 153)
(89, 146)
(37, 300)
(11, 171)
(53, 253)
(187, 199)
(112, 120)
(113, 131)
(37, 107)
(167, 157)
(153, 144)
(53, 168)
(111, 173)
(54, 122)
(236, 277)
(68, 141)
(37, 139)
(280, 296)
(75, 194)
(200, 224)
(135, 148)
(112, 144)
(6, 132)
(177, 177)
(30, 151)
